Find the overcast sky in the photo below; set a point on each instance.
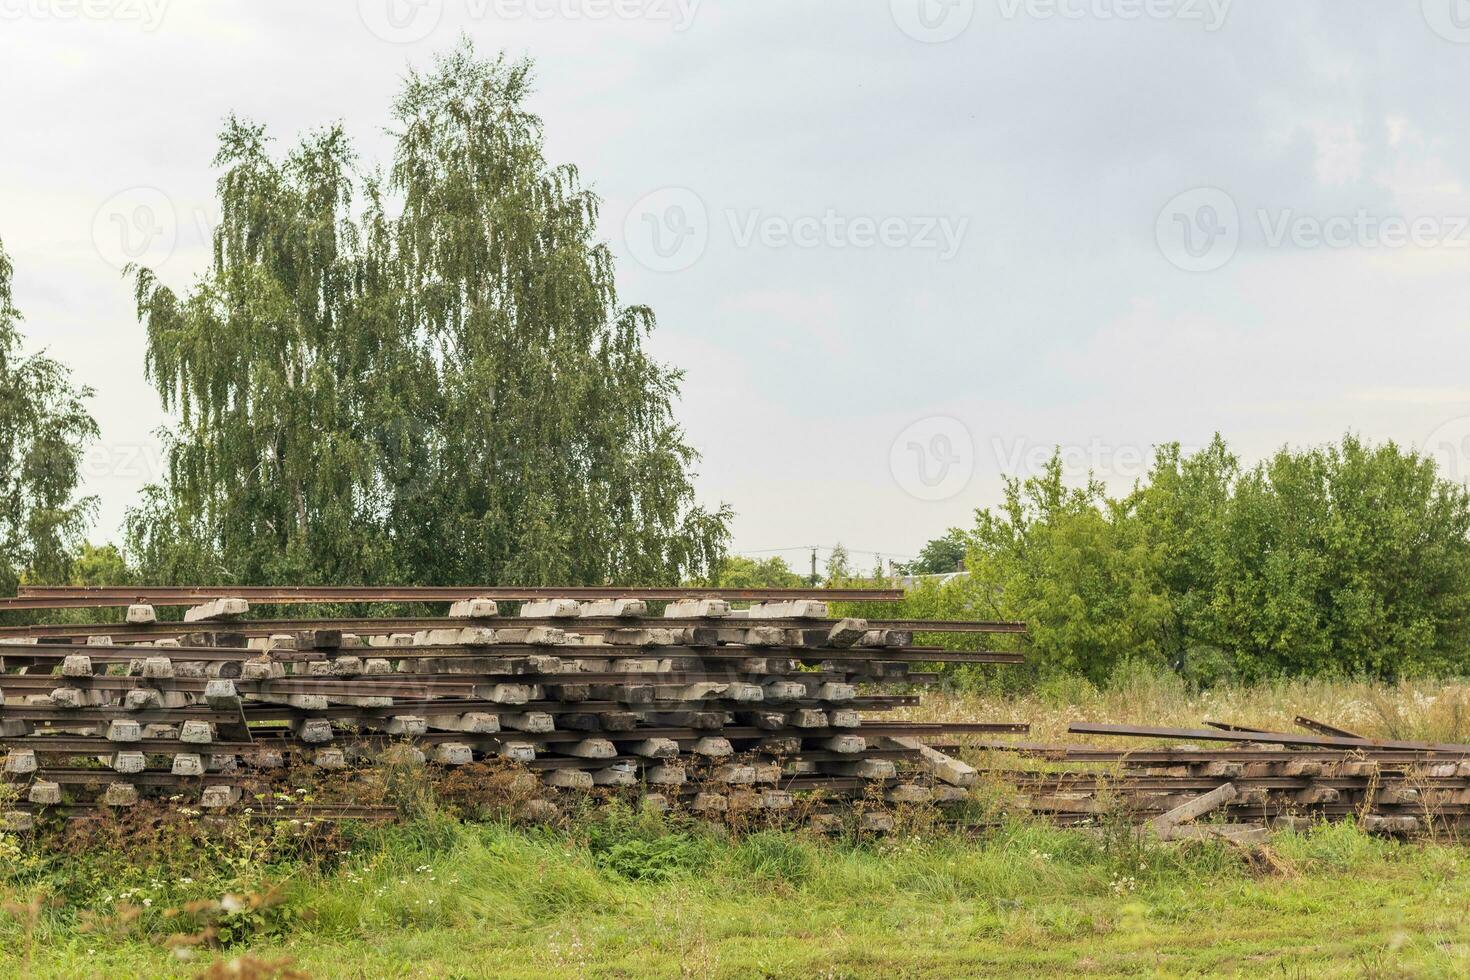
(901, 249)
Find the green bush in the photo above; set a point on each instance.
(1347, 560)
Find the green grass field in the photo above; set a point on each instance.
(620, 894)
(637, 898)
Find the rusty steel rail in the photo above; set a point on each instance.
(1226, 726)
(87, 596)
(256, 711)
(1054, 752)
(381, 626)
(316, 812)
(116, 653)
(277, 739)
(1265, 738)
(1322, 728)
(405, 685)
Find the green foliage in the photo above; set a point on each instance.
(1076, 568)
(839, 567)
(941, 555)
(450, 392)
(100, 565)
(44, 428)
(1349, 558)
(739, 572)
(1341, 560)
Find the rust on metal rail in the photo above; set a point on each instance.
(380, 626)
(83, 596)
(1322, 728)
(1272, 738)
(115, 653)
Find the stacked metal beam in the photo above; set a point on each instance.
(1266, 778)
(705, 705)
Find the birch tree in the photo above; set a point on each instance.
(424, 374)
(44, 430)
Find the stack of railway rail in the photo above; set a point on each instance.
(1238, 782)
(710, 700)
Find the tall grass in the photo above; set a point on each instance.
(1419, 709)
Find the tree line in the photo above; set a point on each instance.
(1348, 559)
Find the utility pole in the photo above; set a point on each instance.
(814, 566)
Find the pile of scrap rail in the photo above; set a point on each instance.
(701, 705)
(1263, 779)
